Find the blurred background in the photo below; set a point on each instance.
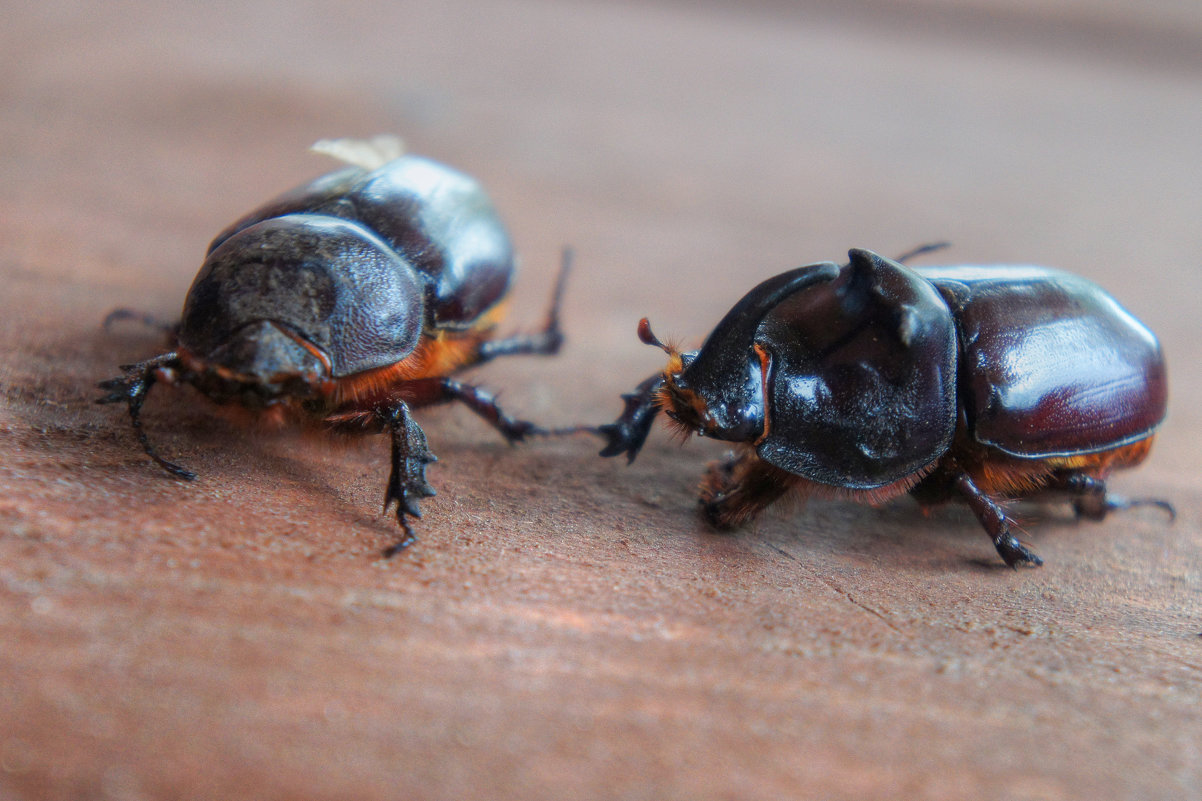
(686, 150)
(675, 142)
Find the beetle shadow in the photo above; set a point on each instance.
(57, 392)
(52, 393)
(347, 472)
(946, 536)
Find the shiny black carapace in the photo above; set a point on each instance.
(348, 301)
(870, 380)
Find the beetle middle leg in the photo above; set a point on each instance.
(1091, 501)
(739, 487)
(170, 330)
(484, 403)
(996, 523)
(546, 342)
(407, 483)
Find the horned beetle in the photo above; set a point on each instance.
(871, 380)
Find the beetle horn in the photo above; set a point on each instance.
(725, 351)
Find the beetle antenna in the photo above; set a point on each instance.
(649, 338)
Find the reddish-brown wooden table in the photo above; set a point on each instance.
(567, 627)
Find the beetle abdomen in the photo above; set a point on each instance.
(333, 282)
(1052, 364)
(438, 219)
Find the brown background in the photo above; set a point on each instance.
(567, 628)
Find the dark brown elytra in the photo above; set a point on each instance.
(347, 302)
(872, 379)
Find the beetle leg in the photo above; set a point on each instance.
(484, 403)
(739, 487)
(407, 483)
(171, 330)
(545, 342)
(1091, 501)
(132, 388)
(628, 433)
(995, 523)
(921, 250)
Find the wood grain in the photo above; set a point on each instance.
(567, 627)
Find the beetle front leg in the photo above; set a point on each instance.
(132, 389)
(628, 433)
(995, 523)
(407, 483)
(736, 489)
(1091, 501)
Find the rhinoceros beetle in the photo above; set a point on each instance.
(871, 379)
(349, 301)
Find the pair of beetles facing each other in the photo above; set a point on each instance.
(358, 296)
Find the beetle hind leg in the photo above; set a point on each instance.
(546, 342)
(996, 524)
(407, 484)
(736, 489)
(1091, 501)
(132, 389)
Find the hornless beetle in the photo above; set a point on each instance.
(350, 300)
(870, 380)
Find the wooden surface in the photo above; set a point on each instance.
(567, 627)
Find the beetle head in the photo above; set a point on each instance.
(719, 390)
(267, 352)
(260, 363)
(732, 410)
